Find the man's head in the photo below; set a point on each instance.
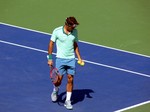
(71, 23)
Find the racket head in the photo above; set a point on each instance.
(54, 75)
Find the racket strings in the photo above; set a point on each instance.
(54, 75)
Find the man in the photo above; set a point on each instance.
(66, 38)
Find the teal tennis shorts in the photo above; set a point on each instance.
(66, 66)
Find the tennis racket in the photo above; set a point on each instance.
(54, 74)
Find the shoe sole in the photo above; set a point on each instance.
(68, 108)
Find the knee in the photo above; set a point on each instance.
(58, 83)
(70, 79)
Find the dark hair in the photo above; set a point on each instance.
(71, 21)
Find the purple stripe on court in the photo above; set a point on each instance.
(89, 52)
(25, 84)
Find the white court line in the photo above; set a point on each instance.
(79, 40)
(112, 67)
(140, 104)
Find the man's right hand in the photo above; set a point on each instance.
(50, 62)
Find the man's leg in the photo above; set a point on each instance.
(54, 95)
(69, 92)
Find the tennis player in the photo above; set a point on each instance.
(66, 38)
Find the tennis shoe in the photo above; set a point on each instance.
(54, 96)
(68, 105)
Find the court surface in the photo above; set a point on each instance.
(110, 80)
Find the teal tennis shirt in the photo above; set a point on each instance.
(64, 42)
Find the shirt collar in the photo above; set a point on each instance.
(65, 32)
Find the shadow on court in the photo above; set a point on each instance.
(77, 96)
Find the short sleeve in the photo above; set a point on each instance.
(76, 35)
(54, 37)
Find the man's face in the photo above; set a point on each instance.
(70, 28)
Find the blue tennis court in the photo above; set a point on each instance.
(110, 80)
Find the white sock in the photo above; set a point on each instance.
(55, 88)
(68, 95)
